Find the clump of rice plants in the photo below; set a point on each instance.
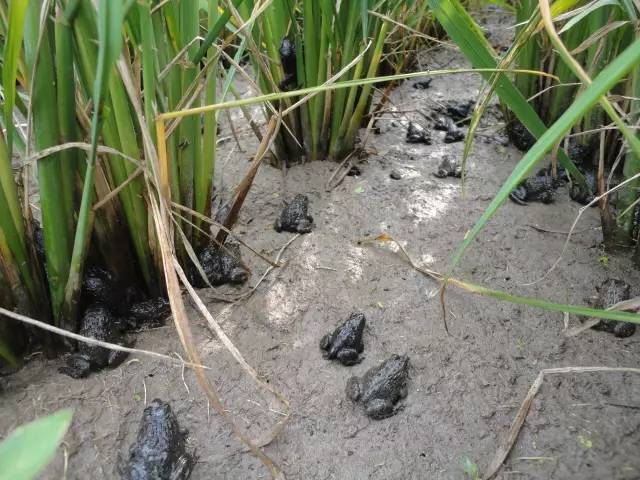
(303, 44)
(85, 80)
(594, 33)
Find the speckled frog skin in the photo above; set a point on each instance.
(416, 133)
(97, 322)
(159, 451)
(345, 342)
(449, 167)
(220, 265)
(295, 216)
(381, 387)
(535, 189)
(613, 291)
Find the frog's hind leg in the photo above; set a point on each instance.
(182, 468)
(348, 357)
(306, 225)
(116, 357)
(325, 344)
(78, 366)
(519, 196)
(379, 408)
(547, 197)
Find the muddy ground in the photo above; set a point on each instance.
(464, 389)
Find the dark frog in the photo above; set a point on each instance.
(381, 387)
(448, 168)
(345, 342)
(149, 313)
(221, 265)
(584, 194)
(159, 451)
(99, 323)
(288, 60)
(460, 110)
(416, 133)
(295, 216)
(540, 188)
(613, 291)
(520, 136)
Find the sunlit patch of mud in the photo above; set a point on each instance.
(283, 303)
(429, 205)
(353, 262)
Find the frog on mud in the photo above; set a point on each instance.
(148, 313)
(613, 291)
(99, 323)
(448, 168)
(535, 188)
(295, 216)
(416, 133)
(520, 136)
(381, 387)
(460, 110)
(221, 265)
(159, 451)
(345, 342)
(582, 195)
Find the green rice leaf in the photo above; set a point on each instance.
(587, 11)
(600, 86)
(12, 48)
(469, 38)
(29, 448)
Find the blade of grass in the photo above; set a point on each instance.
(110, 17)
(600, 86)
(468, 37)
(15, 28)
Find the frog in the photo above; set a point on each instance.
(454, 134)
(580, 153)
(221, 265)
(441, 123)
(610, 292)
(448, 168)
(460, 110)
(288, 60)
(520, 136)
(582, 195)
(446, 124)
(295, 216)
(423, 84)
(381, 387)
(416, 133)
(159, 451)
(149, 313)
(345, 342)
(540, 188)
(100, 323)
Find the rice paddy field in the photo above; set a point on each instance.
(261, 249)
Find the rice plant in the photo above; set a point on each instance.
(93, 203)
(300, 44)
(594, 33)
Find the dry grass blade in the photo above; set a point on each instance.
(215, 326)
(92, 341)
(273, 263)
(516, 426)
(171, 270)
(247, 181)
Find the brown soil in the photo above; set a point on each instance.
(464, 389)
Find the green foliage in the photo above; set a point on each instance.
(29, 448)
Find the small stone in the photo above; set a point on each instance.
(395, 175)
